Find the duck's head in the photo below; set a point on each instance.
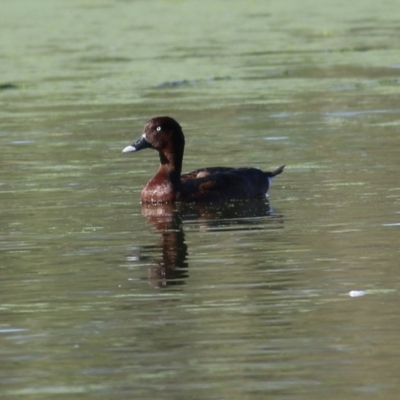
(163, 134)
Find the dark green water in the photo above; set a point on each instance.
(295, 298)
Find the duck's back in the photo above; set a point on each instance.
(222, 184)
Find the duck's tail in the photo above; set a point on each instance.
(277, 171)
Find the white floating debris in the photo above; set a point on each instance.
(132, 258)
(394, 224)
(276, 138)
(356, 293)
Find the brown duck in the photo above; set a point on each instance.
(212, 184)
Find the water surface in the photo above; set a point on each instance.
(291, 297)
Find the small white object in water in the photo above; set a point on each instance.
(356, 293)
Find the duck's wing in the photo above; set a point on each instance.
(204, 172)
(222, 184)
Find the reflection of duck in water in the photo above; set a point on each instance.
(213, 184)
(170, 266)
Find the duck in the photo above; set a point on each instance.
(210, 184)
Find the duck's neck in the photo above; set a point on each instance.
(171, 167)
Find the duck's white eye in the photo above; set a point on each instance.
(158, 128)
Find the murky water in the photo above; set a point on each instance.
(295, 297)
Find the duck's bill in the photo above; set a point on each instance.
(140, 144)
